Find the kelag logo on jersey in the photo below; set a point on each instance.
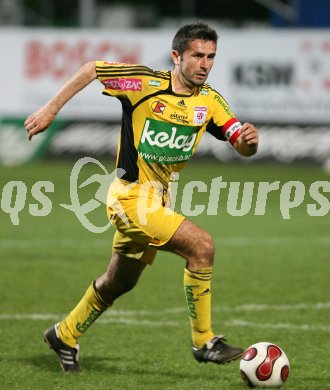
(165, 143)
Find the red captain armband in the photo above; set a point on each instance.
(231, 130)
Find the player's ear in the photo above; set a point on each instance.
(175, 57)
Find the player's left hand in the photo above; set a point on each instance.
(249, 134)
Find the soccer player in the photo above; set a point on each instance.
(165, 114)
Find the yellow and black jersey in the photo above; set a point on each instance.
(161, 129)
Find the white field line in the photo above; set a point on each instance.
(238, 323)
(288, 326)
(131, 317)
(129, 313)
(153, 323)
(230, 241)
(229, 309)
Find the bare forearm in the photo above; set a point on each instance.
(85, 75)
(40, 120)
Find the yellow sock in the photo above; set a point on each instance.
(82, 316)
(197, 286)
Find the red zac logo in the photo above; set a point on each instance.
(124, 84)
(158, 107)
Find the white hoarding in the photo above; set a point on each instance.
(278, 75)
(268, 76)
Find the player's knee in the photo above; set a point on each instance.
(110, 290)
(208, 247)
(117, 289)
(205, 250)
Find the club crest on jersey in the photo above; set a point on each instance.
(200, 113)
(123, 84)
(158, 107)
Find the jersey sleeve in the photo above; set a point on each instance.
(119, 80)
(223, 125)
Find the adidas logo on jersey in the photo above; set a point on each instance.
(181, 103)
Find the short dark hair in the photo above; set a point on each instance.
(190, 32)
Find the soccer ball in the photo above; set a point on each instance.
(264, 365)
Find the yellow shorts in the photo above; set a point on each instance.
(142, 219)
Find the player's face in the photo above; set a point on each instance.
(194, 66)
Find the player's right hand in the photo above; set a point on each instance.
(39, 121)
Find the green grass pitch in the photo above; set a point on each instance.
(271, 283)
